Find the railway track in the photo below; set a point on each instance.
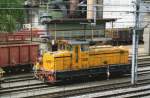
(138, 92)
(92, 89)
(19, 80)
(22, 88)
(10, 77)
(20, 77)
(45, 87)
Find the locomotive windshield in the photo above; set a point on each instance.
(69, 44)
(69, 47)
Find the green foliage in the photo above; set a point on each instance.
(10, 18)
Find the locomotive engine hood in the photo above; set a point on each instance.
(49, 59)
(60, 53)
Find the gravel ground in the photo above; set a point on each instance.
(5, 85)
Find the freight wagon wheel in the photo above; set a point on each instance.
(17, 69)
(90, 76)
(23, 70)
(9, 70)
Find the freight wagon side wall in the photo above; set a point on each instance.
(14, 53)
(33, 53)
(4, 56)
(24, 54)
(21, 54)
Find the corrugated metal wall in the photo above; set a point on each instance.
(118, 9)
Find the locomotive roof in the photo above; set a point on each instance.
(75, 42)
(78, 20)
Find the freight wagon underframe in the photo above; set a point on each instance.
(18, 57)
(18, 68)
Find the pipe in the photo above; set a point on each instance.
(90, 9)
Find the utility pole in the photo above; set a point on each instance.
(135, 45)
(94, 19)
(31, 24)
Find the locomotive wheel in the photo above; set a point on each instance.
(10, 71)
(40, 77)
(16, 70)
(43, 78)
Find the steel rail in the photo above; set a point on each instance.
(92, 89)
(22, 88)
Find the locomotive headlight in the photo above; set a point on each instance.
(45, 18)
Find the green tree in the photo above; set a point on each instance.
(11, 15)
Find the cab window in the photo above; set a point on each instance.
(69, 47)
(84, 47)
(62, 47)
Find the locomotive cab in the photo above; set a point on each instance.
(79, 52)
(69, 45)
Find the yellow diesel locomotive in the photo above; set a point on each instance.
(75, 59)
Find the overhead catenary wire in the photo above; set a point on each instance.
(119, 11)
(33, 4)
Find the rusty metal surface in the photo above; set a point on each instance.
(18, 54)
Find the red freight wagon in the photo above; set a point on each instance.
(18, 56)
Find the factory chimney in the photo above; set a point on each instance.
(90, 8)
